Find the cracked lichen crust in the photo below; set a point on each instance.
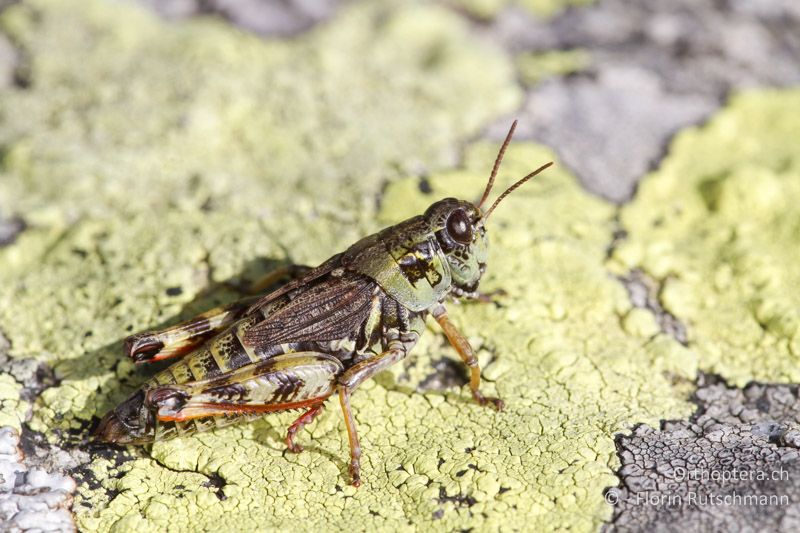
(555, 349)
(717, 226)
(154, 162)
(735, 462)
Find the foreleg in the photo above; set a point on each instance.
(477, 296)
(467, 354)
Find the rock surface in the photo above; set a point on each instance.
(654, 67)
(31, 499)
(734, 465)
(150, 166)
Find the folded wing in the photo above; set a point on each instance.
(330, 309)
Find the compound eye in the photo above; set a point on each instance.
(459, 227)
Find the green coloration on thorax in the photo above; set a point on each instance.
(442, 252)
(417, 261)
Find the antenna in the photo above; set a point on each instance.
(514, 187)
(497, 162)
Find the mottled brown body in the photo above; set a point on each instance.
(325, 332)
(292, 383)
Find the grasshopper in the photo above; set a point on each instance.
(325, 332)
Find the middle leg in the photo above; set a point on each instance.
(348, 382)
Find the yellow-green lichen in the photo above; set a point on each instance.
(719, 225)
(12, 408)
(481, 9)
(201, 115)
(134, 184)
(551, 8)
(489, 9)
(533, 67)
(146, 156)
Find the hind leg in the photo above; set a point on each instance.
(291, 381)
(297, 425)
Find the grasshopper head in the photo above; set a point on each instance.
(460, 227)
(456, 224)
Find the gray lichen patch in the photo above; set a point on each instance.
(654, 67)
(644, 293)
(702, 47)
(268, 19)
(611, 127)
(31, 499)
(734, 462)
(10, 228)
